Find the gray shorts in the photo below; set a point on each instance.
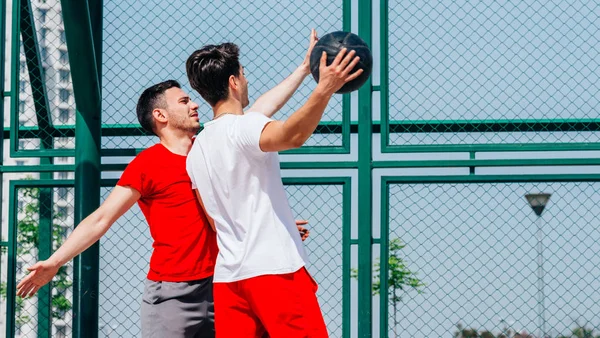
(178, 309)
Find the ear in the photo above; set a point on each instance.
(159, 115)
(233, 82)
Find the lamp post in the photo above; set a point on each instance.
(538, 202)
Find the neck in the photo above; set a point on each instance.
(230, 105)
(177, 143)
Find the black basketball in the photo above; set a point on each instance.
(332, 43)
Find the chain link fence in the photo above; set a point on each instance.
(144, 46)
(45, 112)
(476, 248)
(44, 221)
(497, 72)
(463, 257)
(126, 248)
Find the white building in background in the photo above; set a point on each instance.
(55, 62)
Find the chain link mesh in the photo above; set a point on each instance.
(528, 61)
(475, 247)
(126, 248)
(56, 310)
(45, 91)
(143, 46)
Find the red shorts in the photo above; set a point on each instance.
(285, 306)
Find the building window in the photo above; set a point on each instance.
(21, 86)
(43, 35)
(43, 15)
(20, 204)
(20, 163)
(23, 67)
(62, 36)
(63, 56)
(21, 106)
(64, 95)
(44, 54)
(21, 144)
(63, 115)
(62, 212)
(64, 75)
(63, 175)
(22, 123)
(62, 193)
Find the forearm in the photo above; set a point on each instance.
(90, 230)
(273, 100)
(302, 123)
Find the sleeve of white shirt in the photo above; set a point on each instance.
(249, 129)
(190, 171)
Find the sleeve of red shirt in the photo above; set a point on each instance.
(133, 176)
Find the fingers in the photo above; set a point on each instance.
(313, 36)
(346, 60)
(339, 57)
(323, 60)
(301, 222)
(351, 66)
(26, 289)
(354, 75)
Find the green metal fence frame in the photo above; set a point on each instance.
(87, 14)
(78, 303)
(386, 181)
(592, 125)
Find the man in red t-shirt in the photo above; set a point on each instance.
(177, 300)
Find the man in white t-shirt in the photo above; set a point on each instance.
(260, 283)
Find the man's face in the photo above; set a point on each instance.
(182, 112)
(244, 88)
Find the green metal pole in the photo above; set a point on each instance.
(86, 84)
(365, 184)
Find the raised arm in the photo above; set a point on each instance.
(292, 133)
(272, 101)
(85, 234)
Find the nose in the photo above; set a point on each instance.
(194, 105)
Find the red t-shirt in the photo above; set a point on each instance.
(185, 246)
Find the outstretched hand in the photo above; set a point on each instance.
(312, 42)
(302, 230)
(41, 273)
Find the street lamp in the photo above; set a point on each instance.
(538, 202)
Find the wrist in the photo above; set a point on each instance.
(304, 69)
(54, 262)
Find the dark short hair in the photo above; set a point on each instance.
(151, 99)
(209, 68)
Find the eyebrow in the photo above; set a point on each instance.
(183, 97)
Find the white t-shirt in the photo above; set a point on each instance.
(242, 191)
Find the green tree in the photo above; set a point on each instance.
(581, 332)
(400, 278)
(27, 241)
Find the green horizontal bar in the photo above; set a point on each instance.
(376, 240)
(36, 168)
(319, 165)
(492, 178)
(354, 242)
(6, 94)
(486, 126)
(4, 244)
(42, 183)
(335, 127)
(491, 147)
(488, 163)
(376, 88)
(354, 165)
